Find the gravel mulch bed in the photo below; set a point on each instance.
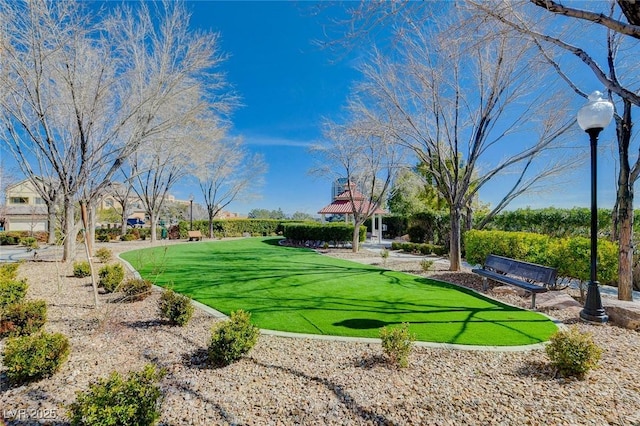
(286, 381)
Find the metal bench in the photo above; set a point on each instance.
(519, 274)
(195, 235)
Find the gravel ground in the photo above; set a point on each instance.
(286, 381)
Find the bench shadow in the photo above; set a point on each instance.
(538, 369)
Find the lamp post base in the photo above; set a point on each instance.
(593, 310)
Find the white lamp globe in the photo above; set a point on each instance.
(596, 114)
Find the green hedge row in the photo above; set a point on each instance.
(553, 221)
(419, 248)
(571, 256)
(234, 227)
(331, 233)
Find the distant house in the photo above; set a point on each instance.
(24, 209)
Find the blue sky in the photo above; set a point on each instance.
(288, 85)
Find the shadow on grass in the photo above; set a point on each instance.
(362, 323)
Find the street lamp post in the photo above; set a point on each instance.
(191, 214)
(592, 118)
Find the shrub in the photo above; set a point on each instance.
(128, 237)
(111, 276)
(571, 256)
(29, 242)
(103, 237)
(136, 289)
(34, 357)
(10, 238)
(9, 271)
(397, 343)
(233, 338)
(135, 400)
(12, 292)
(573, 353)
(81, 269)
(104, 254)
(23, 318)
(175, 307)
(426, 264)
(384, 254)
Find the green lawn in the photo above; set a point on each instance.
(298, 290)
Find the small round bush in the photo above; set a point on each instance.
(23, 318)
(233, 338)
(573, 353)
(81, 269)
(111, 276)
(12, 292)
(29, 242)
(135, 400)
(104, 254)
(136, 289)
(129, 237)
(397, 343)
(426, 264)
(34, 357)
(175, 307)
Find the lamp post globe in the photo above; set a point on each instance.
(592, 118)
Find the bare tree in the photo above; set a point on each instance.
(468, 106)
(596, 30)
(368, 160)
(227, 172)
(81, 95)
(80, 103)
(121, 193)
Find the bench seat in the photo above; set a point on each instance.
(517, 273)
(195, 235)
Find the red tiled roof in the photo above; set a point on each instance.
(342, 206)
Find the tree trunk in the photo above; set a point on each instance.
(69, 230)
(88, 248)
(154, 225)
(625, 253)
(90, 228)
(355, 242)
(210, 224)
(51, 223)
(123, 226)
(624, 204)
(455, 252)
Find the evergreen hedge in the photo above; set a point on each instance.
(331, 233)
(571, 256)
(234, 227)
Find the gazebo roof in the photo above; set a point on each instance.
(342, 204)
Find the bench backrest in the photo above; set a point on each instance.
(526, 270)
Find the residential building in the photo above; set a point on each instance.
(24, 208)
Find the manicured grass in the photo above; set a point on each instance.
(298, 290)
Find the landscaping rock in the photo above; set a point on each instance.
(316, 382)
(622, 313)
(506, 289)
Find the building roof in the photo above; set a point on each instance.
(342, 204)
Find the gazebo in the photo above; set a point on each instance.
(342, 205)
